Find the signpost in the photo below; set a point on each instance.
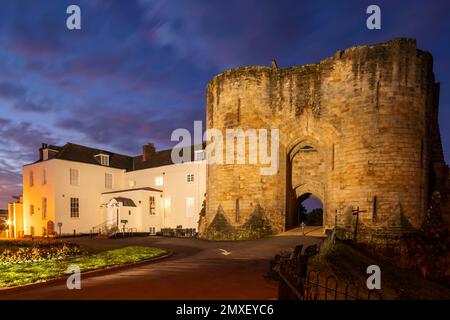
(59, 226)
(124, 223)
(356, 213)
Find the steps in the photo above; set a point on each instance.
(106, 229)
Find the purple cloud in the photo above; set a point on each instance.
(11, 90)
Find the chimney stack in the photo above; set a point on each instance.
(147, 151)
(41, 151)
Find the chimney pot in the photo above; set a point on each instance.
(147, 151)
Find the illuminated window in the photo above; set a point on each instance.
(190, 177)
(74, 177)
(74, 207)
(167, 202)
(159, 181)
(189, 207)
(44, 208)
(108, 180)
(152, 209)
(199, 155)
(31, 179)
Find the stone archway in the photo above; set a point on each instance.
(306, 173)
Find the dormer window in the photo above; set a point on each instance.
(159, 181)
(103, 159)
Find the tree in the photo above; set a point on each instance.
(315, 217)
(301, 211)
(3, 225)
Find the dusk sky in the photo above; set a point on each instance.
(137, 70)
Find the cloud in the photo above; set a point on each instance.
(10, 185)
(19, 144)
(20, 97)
(11, 90)
(29, 106)
(127, 130)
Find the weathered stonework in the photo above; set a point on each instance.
(358, 129)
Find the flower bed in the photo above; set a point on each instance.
(13, 252)
(15, 274)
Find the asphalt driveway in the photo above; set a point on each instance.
(198, 270)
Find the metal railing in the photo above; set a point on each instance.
(179, 232)
(295, 282)
(106, 228)
(317, 287)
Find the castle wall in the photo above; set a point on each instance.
(355, 131)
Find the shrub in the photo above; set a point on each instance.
(12, 252)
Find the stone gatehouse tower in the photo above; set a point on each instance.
(358, 129)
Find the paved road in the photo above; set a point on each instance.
(197, 270)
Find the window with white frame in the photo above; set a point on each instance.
(74, 207)
(199, 155)
(108, 181)
(104, 160)
(44, 208)
(189, 207)
(159, 181)
(31, 179)
(31, 209)
(190, 177)
(44, 176)
(152, 230)
(152, 208)
(74, 177)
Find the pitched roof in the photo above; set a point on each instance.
(126, 202)
(135, 189)
(79, 153)
(161, 158)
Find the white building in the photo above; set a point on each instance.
(76, 189)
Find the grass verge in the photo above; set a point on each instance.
(349, 264)
(26, 273)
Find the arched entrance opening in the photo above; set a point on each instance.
(309, 210)
(305, 184)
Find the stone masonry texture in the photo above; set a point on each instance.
(359, 129)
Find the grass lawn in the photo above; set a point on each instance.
(26, 273)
